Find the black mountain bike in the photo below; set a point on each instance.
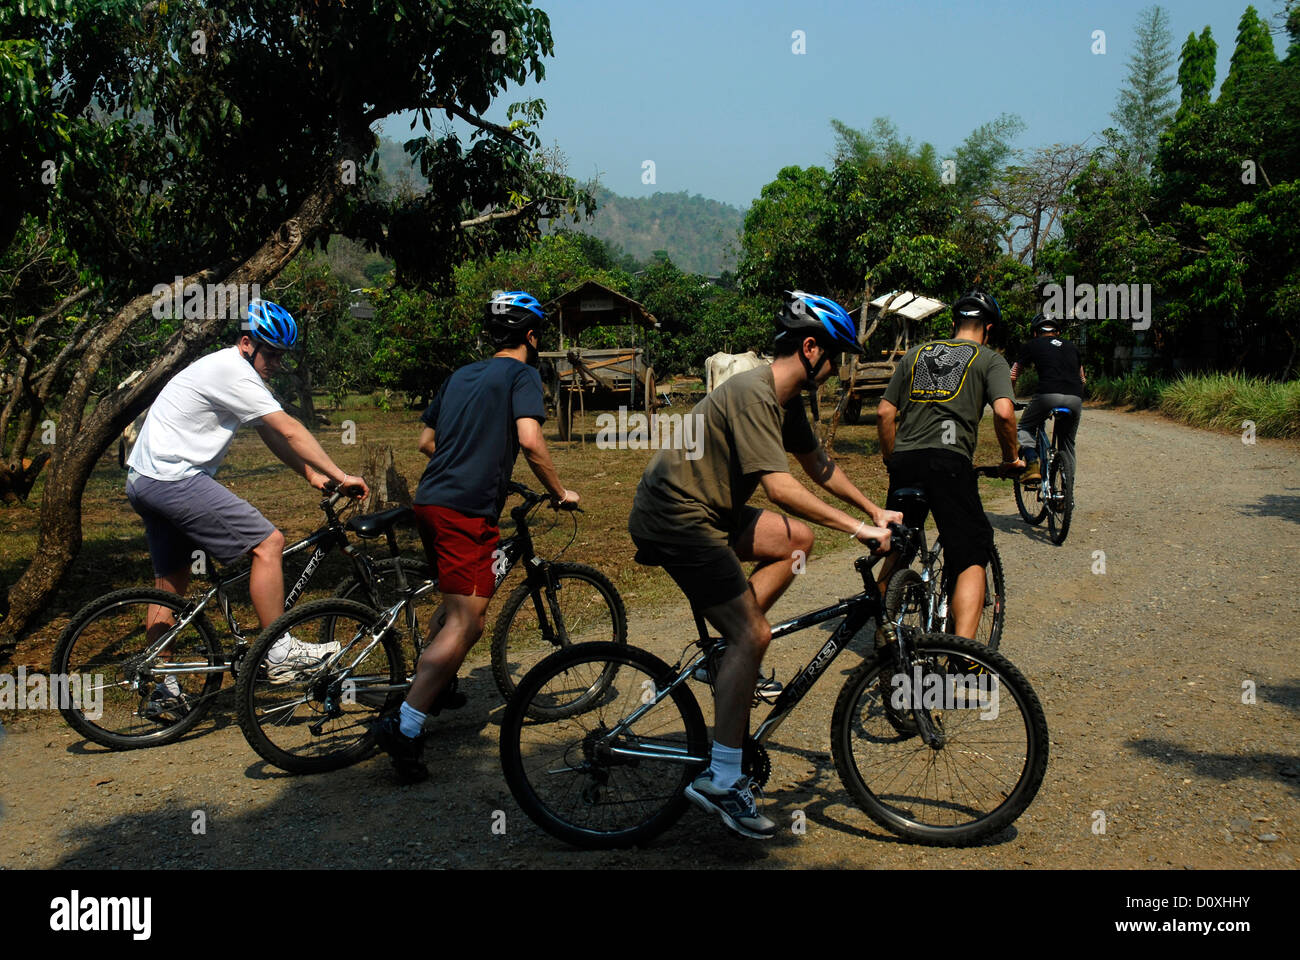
(921, 597)
(111, 638)
(1053, 495)
(322, 719)
(939, 739)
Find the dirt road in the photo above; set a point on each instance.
(1170, 683)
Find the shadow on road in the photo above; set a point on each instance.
(1286, 506)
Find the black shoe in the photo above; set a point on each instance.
(405, 751)
(450, 699)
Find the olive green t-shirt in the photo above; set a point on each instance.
(742, 434)
(940, 389)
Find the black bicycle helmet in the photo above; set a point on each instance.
(1045, 324)
(510, 315)
(975, 305)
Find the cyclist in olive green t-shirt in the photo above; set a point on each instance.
(927, 422)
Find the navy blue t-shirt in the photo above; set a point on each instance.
(475, 439)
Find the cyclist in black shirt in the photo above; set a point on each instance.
(1060, 384)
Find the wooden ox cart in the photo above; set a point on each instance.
(581, 377)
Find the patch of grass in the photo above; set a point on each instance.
(1220, 401)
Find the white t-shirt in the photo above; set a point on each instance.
(190, 426)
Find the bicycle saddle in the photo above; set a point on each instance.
(1062, 410)
(910, 492)
(377, 524)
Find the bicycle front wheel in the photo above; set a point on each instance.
(592, 779)
(123, 703)
(982, 771)
(1030, 503)
(320, 717)
(582, 606)
(1061, 505)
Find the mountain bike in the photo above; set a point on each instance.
(322, 719)
(1053, 495)
(110, 637)
(937, 738)
(922, 598)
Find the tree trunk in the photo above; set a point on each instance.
(388, 488)
(79, 446)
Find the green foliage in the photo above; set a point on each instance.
(882, 216)
(1145, 105)
(1196, 69)
(1252, 58)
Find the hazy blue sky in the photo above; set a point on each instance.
(712, 92)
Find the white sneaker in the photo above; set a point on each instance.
(290, 659)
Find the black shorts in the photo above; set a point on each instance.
(951, 491)
(708, 573)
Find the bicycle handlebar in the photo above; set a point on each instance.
(531, 498)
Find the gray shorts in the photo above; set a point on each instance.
(180, 515)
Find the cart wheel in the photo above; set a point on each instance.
(651, 401)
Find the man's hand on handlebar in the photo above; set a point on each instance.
(876, 537)
(884, 518)
(569, 501)
(349, 486)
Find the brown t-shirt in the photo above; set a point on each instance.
(742, 433)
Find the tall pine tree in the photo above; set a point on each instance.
(1145, 104)
(1253, 58)
(1196, 70)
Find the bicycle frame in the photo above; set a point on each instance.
(857, 611)
(323, 540)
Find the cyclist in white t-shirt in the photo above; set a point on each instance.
(174, 462)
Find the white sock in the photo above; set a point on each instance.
(724, 768)
(412, 720)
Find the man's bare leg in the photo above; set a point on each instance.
(968, 601)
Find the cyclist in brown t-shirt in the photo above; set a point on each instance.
(690, 517)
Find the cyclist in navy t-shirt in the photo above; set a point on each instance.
(483, 415)
(1060, 384)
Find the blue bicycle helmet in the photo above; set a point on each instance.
(270, 324)
(508, 316)
(805, 314)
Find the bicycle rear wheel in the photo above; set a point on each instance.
(1061, 503)
(994, 615)
(990, 761)
(581, 607)
(321, 719)
(573, 777)
(120, 703)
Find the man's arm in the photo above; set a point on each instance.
(427, 445)
(1004, 425)
(293, 443)
(886, 428)
(538, 456)
(793, 497)
(832, 479)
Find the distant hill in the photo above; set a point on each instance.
(699, 235)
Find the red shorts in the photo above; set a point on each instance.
(460, 549)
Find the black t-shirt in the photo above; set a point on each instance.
(1057, 363)
(475, 437)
